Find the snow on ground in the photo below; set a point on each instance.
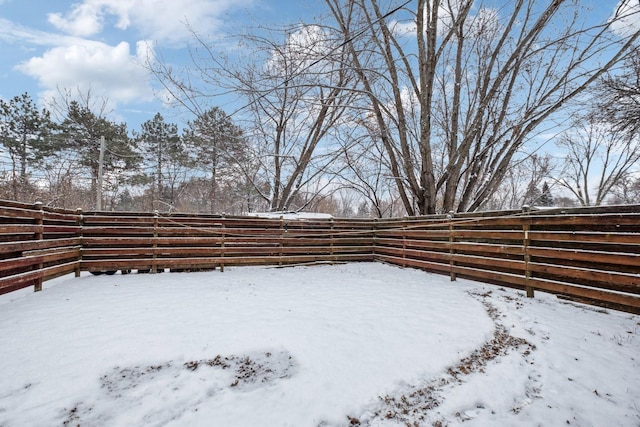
(357, 344)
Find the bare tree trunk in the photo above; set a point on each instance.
(484, 81)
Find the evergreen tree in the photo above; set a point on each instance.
(25, 134)
(164, 158)
(83, 129)
(218, 149)
(533, 194)
(546, 198)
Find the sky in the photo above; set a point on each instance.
(364, 344)
(99, 45)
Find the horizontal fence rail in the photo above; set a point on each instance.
(36, 244)
(587, 254)
(148, 242)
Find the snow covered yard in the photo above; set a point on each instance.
(357, 344)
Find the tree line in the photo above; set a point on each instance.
(379, 108)
(154, 167)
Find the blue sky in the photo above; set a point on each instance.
(98, 44)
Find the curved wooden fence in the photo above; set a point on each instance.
(36, 244)
(588, 254)
(148, 242)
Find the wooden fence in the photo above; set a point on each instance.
(37, 244)
(149, 242)
(588, 254)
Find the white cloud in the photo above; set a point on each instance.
(627, 17)
(85, 19)
(160, 20)
(109, 71)
(15, 33)
(403, 29)
(113, 69)
(306, 46)
(448, 11)
(485, 24)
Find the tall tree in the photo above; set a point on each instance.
(627, 191)
(457, 88)
(598, 157)
(219, 149)
(165, 158)
(26, 135)
(522, 182)
(546, 198)
(83, 129)
(619, 93)
(292, 85)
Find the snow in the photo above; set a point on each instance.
(331, 345)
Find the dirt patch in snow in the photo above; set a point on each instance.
(411, 407)
(130, 386)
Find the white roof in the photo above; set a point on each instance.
(292, 215)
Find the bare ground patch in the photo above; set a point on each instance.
(412, 406)
(130, 386)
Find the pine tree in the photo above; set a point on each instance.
(546, 198)
(25, 134)
(165, 157)
(218, 149)
(82, 130)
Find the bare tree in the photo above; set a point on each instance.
(292, 93)
(64, 183)
(366, 173)
(626, 191)
(598, 158)
(456, 102)
(523, 183)
(619, 93)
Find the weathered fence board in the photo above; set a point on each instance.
(590, 254)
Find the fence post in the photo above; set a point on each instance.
(331, 239)
(374, 238)
(80, 222)
(154, 265)
(39, 235)
(222, 234)
(404, 246)
(452, 252)
(526, 227)
(281, 240)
